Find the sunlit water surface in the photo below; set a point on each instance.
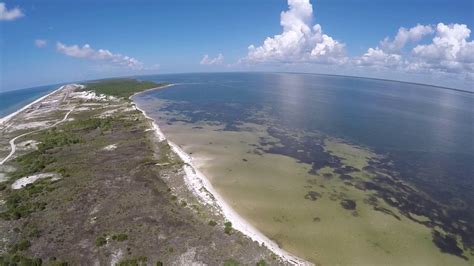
(334, 169)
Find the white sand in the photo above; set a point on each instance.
(10, 116)
(91, 95)
(12, 141)
(22, 182)
(199, 184)
(110, 147)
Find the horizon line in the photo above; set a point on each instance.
(274, 72)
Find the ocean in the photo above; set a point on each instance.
(11, 101)
(333, 169)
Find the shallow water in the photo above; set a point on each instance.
(334, 169)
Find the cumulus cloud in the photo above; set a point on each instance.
(404, 36)
(40, 43)
(103, 55)
(11, 14)
(299, 42)
(206, 60)
(449, 51)
(378, 58)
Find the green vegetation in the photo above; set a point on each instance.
(21, 202)
(261, 263)
(142, 260)
(122, 88)
(227, 227)
(7, 259)
(231, 262)
(212, 223)
(159, 263)
(20, 246)
(37, 161)
(90, 124)
(120, 237)
(100, 241)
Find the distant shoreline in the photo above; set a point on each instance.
(380, 79)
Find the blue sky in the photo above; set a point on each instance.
(38, 38)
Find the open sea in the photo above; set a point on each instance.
(11, 101)
(337, 170)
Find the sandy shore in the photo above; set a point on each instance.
(196, 181)
(199, 184)
(10, 116)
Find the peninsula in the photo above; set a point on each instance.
(88, 179)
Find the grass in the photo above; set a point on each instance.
(142, 260)
(262, 263)
(121, 88)
(231, 262)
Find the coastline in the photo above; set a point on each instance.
(10, 116)
(196, 180)
(197, 183)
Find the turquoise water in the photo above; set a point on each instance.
(11, 101)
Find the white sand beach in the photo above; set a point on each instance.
(200, 185)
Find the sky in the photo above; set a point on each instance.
(53, 41)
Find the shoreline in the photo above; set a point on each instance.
(8, 117)
(196, 180)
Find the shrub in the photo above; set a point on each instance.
(20, 246)
(122, 88)
(227, 227)
(212, 223)
(261, 263)
(142, 260)
(120, 237)
(100, 241)
(8, 259)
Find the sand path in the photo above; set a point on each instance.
(12, 141)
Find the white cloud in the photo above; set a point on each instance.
(389, 52)
(40, 43)
(378, 58)
(212, 61)
(299, 42)
(404, 36)
(11, 14)
(450, 50)
(87, 52)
